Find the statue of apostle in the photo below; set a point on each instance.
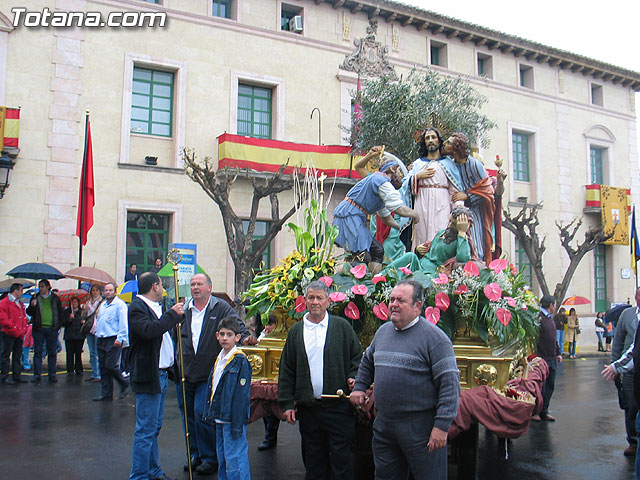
(374, 193)
(434, 181)
(478, 192)
(451, 242)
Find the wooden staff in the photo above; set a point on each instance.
(174, 258)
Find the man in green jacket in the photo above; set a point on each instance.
(322, 355)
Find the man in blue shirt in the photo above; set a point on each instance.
(111, 332)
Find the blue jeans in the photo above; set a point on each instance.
(233, 454)
(25, 358)
(572, 348)
(93, 355)
(560, 340)
(202, 437)
(600, 336)
(149, 414)
(40, 337)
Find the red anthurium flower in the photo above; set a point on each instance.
(359, 271)
(442, 301)
(351, 311)
(360, 289)
(513, 268)
(432, 314)
(493, 292)
(406, 270)
(498, 265)
(461, 289)
(510, 301)
(337, 297)
(471, 269)
(328, 281)
(381, 311)
(504, 316)
(442, 279)
(378, 278)
(301, 305)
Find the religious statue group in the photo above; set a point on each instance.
(438, 212)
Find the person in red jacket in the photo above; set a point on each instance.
(13, 324)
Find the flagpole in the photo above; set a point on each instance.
(83, 180)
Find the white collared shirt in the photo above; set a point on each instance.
(409, 325)
(197, 318)
(315, 335)
(220, 364)
(166, 348)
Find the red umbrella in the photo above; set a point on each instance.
(67, 295)
(90, 275)
(575, 300)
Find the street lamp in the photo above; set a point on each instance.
(7, 161)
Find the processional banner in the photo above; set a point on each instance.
(615, 217)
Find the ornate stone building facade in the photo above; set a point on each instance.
(259, 68)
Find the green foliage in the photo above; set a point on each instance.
(393, 111)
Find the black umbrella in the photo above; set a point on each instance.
(36, 271)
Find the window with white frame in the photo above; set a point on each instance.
(484, 65)
(596, 95)
(438, 53)
(291, 18)
(525, 76)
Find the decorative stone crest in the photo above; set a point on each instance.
(370, 56)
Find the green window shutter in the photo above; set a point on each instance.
(221, 8)
(520, 143)
(147, 238)
(254, 111)
(600, 278)
(523, 264)
(596, 155)
(152, 102)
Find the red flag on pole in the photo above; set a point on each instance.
(87, 199)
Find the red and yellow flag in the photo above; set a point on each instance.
(266, 155)
(9, 127)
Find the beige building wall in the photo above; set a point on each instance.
(55, 75)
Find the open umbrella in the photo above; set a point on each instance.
(575, 300)
(91, 275)
(66, 296)
(36, 271)
(127, 290)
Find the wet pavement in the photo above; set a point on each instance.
(55, 431)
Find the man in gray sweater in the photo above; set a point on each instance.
(417, 387)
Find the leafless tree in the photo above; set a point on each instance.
(246, 253)
(524, 226)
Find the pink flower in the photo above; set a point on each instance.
(504, 316)
(337, 297)
(461, 289)
(378, 278)
(381, 311)
(510, 301)
(351, 311)
(432, 314)
(301, 305)
(442, 301)
(442, 279)
(359, 271)
(328, 281)
(493, 292)
(471, 269)
(498, 265)
(524, 307)
(406, 270)
(360, 289)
